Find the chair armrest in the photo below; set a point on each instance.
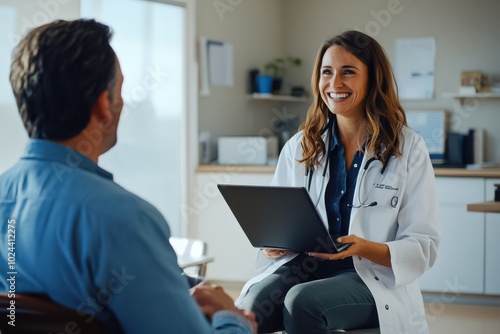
(188, 261)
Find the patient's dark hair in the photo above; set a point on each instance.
(58, 72)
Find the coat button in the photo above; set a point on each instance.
(376, 278)
(359, 258)
(386, 307)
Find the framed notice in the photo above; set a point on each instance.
(414, 67)
(431, 125)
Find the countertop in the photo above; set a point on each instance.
(462, 172)
(490, 206)
(235, 169)
(452, 172)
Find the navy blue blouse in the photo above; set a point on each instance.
(340, 191)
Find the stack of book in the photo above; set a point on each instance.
(474, 147)
(474, 150)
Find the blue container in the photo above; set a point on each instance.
(264, 84)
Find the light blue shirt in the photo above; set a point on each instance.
(95, 247)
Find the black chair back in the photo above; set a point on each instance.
(36, 314)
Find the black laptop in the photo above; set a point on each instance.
(280, 218)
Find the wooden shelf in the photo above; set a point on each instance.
(472, 96)
(463, 172)
(275, 97)
(267, 169)
(490, 206)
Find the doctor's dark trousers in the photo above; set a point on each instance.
(307, 296)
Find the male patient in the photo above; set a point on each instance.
(80, 238)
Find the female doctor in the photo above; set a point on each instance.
(372, 181)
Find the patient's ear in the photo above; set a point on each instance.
(102, 107)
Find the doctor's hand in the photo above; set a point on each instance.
(275, 253)
(373, 251)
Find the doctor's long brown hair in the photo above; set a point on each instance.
(384, 115)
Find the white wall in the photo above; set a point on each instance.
(255, 29)
(466, 34)
(16, 18)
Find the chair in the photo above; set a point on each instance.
(37, 313)
(191, 255)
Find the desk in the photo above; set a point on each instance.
(490, 206)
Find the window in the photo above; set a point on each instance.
(150, 42)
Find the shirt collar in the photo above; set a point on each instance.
(40, 149)
(334, 141)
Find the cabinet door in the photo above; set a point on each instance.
(492, 260)
(460, 264)
(490, 189)
(212, 220)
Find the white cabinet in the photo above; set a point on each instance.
(492, 245)
(492, 260)
(469, 254)
(212, 220)
(460, 264)
(490, 189)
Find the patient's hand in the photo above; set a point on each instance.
(275, 253)
(212, 298)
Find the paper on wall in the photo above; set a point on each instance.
(220, 63)
(204, 83)
(414, 67)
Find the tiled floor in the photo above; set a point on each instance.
(442, 318)
(464, 319)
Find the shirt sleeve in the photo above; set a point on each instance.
(227, 322)
(139, 281)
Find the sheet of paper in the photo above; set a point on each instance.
(203, 76)
(220, 63)
(414, 67)
(431, 125)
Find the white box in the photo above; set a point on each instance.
(467, 90)
(241, 150)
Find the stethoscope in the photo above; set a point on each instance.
(362, 203)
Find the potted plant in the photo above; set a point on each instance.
(277, 69)
(264, 83)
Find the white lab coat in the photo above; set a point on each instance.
(411, 229)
